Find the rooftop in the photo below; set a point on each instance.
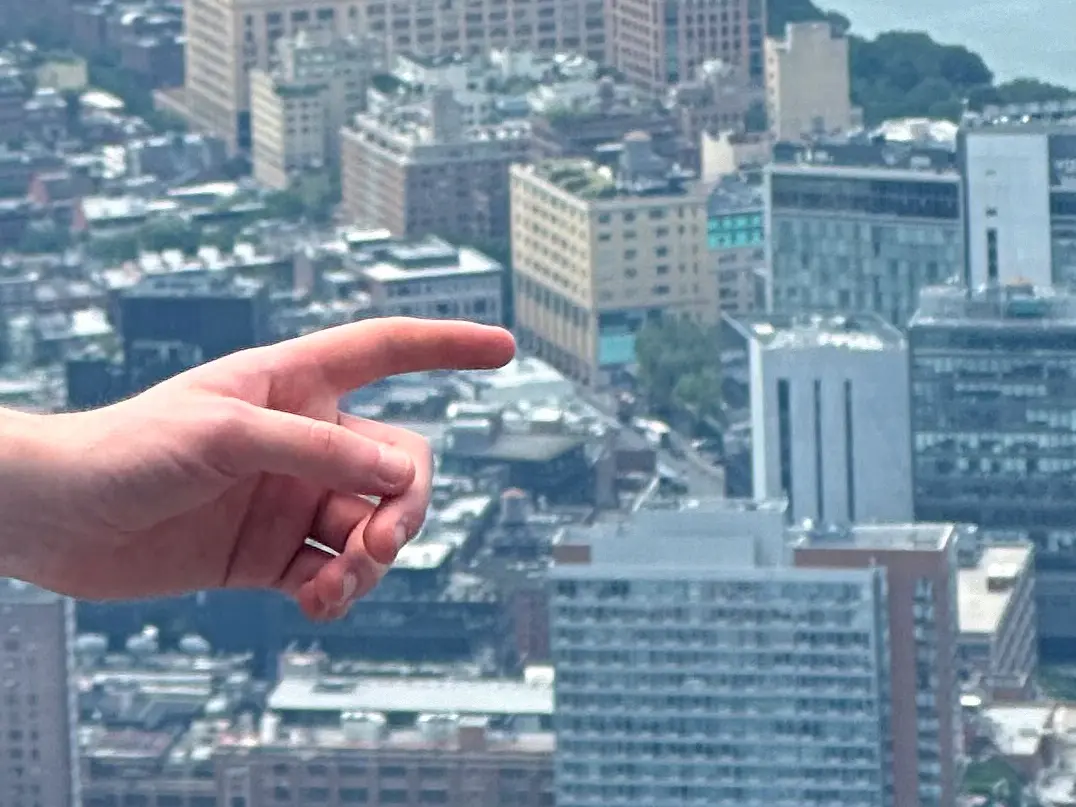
(589, 181)
(985, 590)
(1017, 304)
(878, 537)
(414, 261)
(864, 153)
(411, 695)
(14, 592)
(862, 332)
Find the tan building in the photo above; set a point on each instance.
(226, 39)
(597, 251)
(807, 82)
(38, 713)
(418, 170)
(920, 562)
(659, 43)
(298, 109)
(998, 636)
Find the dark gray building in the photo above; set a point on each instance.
(861, 226)
(993, 378)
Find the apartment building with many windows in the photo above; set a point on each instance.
(598, 250)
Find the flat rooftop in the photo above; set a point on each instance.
(1013, 305)
(862, 332)
(589, 181)
(985, 591)
(465, 262)
(412, 695)
(878, 537)
(288, 741)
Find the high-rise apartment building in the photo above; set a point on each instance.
(596, 251)
(696, 664)
(819, 413)
(418, 170)
(919, 563)
(1020, 197)
(298, 109)
(226, 39)
(861, 226)
(38, 710)
(656, 44)
(808, 87)
(993, 376)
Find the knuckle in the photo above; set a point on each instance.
(324, 437)
(223, 434)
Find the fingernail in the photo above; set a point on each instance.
(400, 535)
(348, 586)
(394, 467)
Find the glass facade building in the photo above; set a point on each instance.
(861, 237)
(993, 377)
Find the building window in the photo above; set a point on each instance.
(818, 469)
(784, 437)
(992, 255)
(849, 453)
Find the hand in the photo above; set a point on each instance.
(217, 476)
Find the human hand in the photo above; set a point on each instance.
(217, 476)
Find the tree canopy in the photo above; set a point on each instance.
(908, 74)
(678, 366)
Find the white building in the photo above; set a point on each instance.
(830, 417)
(696, 666)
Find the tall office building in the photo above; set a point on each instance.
(861, 226)
(808, 87)
(1020, 197)
(819, 415)
(993, 375)
(169, 324)
(696, 664)
(656, 44)
(226, 39)
(598, 250)
(919, 562)
(38, 710)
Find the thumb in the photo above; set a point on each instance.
(255, 440)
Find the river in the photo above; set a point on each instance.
(1017, 38)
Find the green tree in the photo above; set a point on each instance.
(171, 233)
(115, 248)
(678, 365)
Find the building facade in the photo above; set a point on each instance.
(598, 251)
(419, 171)
(919, 562)
(736, 239)
(808, 87)
(993, 376)
(39, 758)
(656, 44)
(820, 405)
(861, 227)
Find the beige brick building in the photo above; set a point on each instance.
(807, 82)
(226, 39)
(598, 251)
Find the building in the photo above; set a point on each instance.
(861, 226)
(39, 763)
(169, 324)
(434, 279)
(808, 88)
(919, 618)
(228, 38)
(596, 251)
(718, 99)
(418, 170)
(1019, 198)
(996, 605)
(695, 664)
(819, 415)
(656, 44)
(992, 426)
(736, 239)
(298, 109)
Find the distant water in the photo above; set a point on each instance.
(1016, 38)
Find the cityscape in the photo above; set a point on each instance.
(775, 505)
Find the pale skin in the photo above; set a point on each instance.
(215, 478)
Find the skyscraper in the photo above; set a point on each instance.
(819, 405)
(38, 710)
(696, 664)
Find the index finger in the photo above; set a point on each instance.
(350, 356)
